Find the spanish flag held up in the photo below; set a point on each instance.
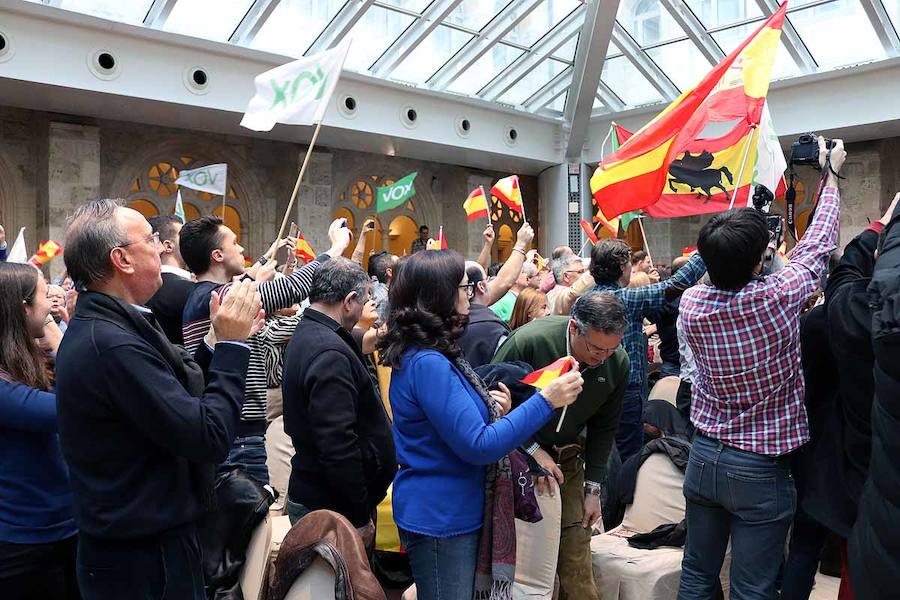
(638, 173)
(476, 205)
(507, 191)
(303, 250)
(543, 377)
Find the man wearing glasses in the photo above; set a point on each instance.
(592, 335)
(566, 271)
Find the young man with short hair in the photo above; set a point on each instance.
(168, 302)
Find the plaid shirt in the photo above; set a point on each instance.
(748, 389)
(645, 302)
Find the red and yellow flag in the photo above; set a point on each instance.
(476, 205)
(507, 191)
(304, 251)
(589, 231)
(610, 224)
(636, 175)
(46, 252)
(542, 377)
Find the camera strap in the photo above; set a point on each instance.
(790, 201)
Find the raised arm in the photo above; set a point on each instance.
(509, 272)
(359, 252)
(484, 257)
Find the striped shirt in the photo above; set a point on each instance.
(748, 386)
(276, 294)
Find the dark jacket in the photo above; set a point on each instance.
(482, 335)
(138, 430)
(345, 457)
(874, 549)
(168, 303)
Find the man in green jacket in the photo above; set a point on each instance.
(592, 335)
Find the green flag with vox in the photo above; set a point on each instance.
(396, 194)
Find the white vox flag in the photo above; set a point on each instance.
(770, 161)
(296, 93)
(210, 178)
(18, 253)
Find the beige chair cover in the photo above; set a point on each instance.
(665, 389)
(537, 547)
(316, 583)
(254, 574)
(279, 452)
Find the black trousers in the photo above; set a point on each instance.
(163, 567)
(38, 571)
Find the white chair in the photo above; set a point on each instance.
(666, 389)
(315, 583)
(254, 574)
(537, 549)
(629, 573)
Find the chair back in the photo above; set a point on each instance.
(665, 389)
(315, 583)
(256, 567)
(658, 495)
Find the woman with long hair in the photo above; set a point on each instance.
(530, 304)
(451, 436)
(37, 523)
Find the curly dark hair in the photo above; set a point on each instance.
(608, 260)
(423, 297)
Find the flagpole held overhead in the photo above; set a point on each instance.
(644, 238)
(287, 213)
(737, 186)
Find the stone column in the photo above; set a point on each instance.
(73, 176)
(313, 205)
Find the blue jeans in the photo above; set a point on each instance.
(443, 568)
(249, 453)
(744, 495)
(630, 435)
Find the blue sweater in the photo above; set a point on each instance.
(36, 505)
(444, 442)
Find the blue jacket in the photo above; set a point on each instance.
(35, 501)
(444, 442)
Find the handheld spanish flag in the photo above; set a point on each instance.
(507, 191)
(612, 225)
(304, 251)
(46, 252)
(476, 205)
(542, 377)
(589, 231)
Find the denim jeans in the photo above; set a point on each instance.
(630, 435)
(744, 495)
(443, 568)
(249, 453)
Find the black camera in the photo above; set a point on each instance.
(762, 198)
(805, 151)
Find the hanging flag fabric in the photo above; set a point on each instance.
(46, 252)
(396, 194)
(626, 218)
(770, 161)
(619, 136)
(296, 93)
(612, 225)
(476, 205)
(210, 178)
(303, 250)
(589, 231)
(179, 208)
(542, 377)
(18, 254)
(508, 192)
(635, 176)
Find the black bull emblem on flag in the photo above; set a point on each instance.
(694, 172)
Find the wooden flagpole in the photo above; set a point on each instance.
(584, 245)
(737, 185)
(640, 220)
(287, 213)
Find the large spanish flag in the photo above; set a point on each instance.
(476, 205)
(507, 191)
(635, 176)
(542, 377)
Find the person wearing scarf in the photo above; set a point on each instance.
(453, 493)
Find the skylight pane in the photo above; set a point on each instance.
(115, 10)
(648, 21)
(729, 39)
(682, 62)
(628, 83)
(414, 5)
(372, 35)
(280, 34)
(539, 76)
(434, 51)
(485, 69)
(559, 104)
(893, 9)
(539, 21)
(475, 14)
(718, 13)
(566, 52)
(194, 18)
(822, 27)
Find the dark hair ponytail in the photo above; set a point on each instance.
(21, 361)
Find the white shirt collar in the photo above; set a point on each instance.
(176, 271)
(142, 309)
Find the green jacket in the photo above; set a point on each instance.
(599, 405)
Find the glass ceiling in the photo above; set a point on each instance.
(521, 53)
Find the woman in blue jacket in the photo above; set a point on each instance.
(450, 436)
(37, 525)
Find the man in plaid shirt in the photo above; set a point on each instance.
(747, 404)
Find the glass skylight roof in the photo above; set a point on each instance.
(522, 52)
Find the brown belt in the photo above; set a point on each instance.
(561, 453)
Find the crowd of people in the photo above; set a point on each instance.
(148, 376)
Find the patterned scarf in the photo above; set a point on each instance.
(496, 567)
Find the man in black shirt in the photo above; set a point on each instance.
(168, 302)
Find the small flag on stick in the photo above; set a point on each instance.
(476, 205)
(508, 192)
(589, 231)
(18, 254)
(179, 208)
(304, 251)
(46, 252)
(396, 194)
(210, 178)
(611, 224)
(542, 377)
(437, 244)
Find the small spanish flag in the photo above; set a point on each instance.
(507, 191)
(304, 251)
(46, 252)
(476, 205)
(542, 377)
(589, 231)
(437, 244)
(688, 251)
(611, 224)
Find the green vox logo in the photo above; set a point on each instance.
(289, 91)
(203, 178)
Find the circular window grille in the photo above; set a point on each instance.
(361, 194)
(496, 209)
(162, 178)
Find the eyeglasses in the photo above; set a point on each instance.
(469, 287)
(152, 238)
(579, 271)
(592, 349)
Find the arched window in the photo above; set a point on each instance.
(145, 207)
(357, 203)
(505, 242)
(401, 233)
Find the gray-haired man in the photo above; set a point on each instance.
(345, 457)
(566, 271)
(592, 335)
